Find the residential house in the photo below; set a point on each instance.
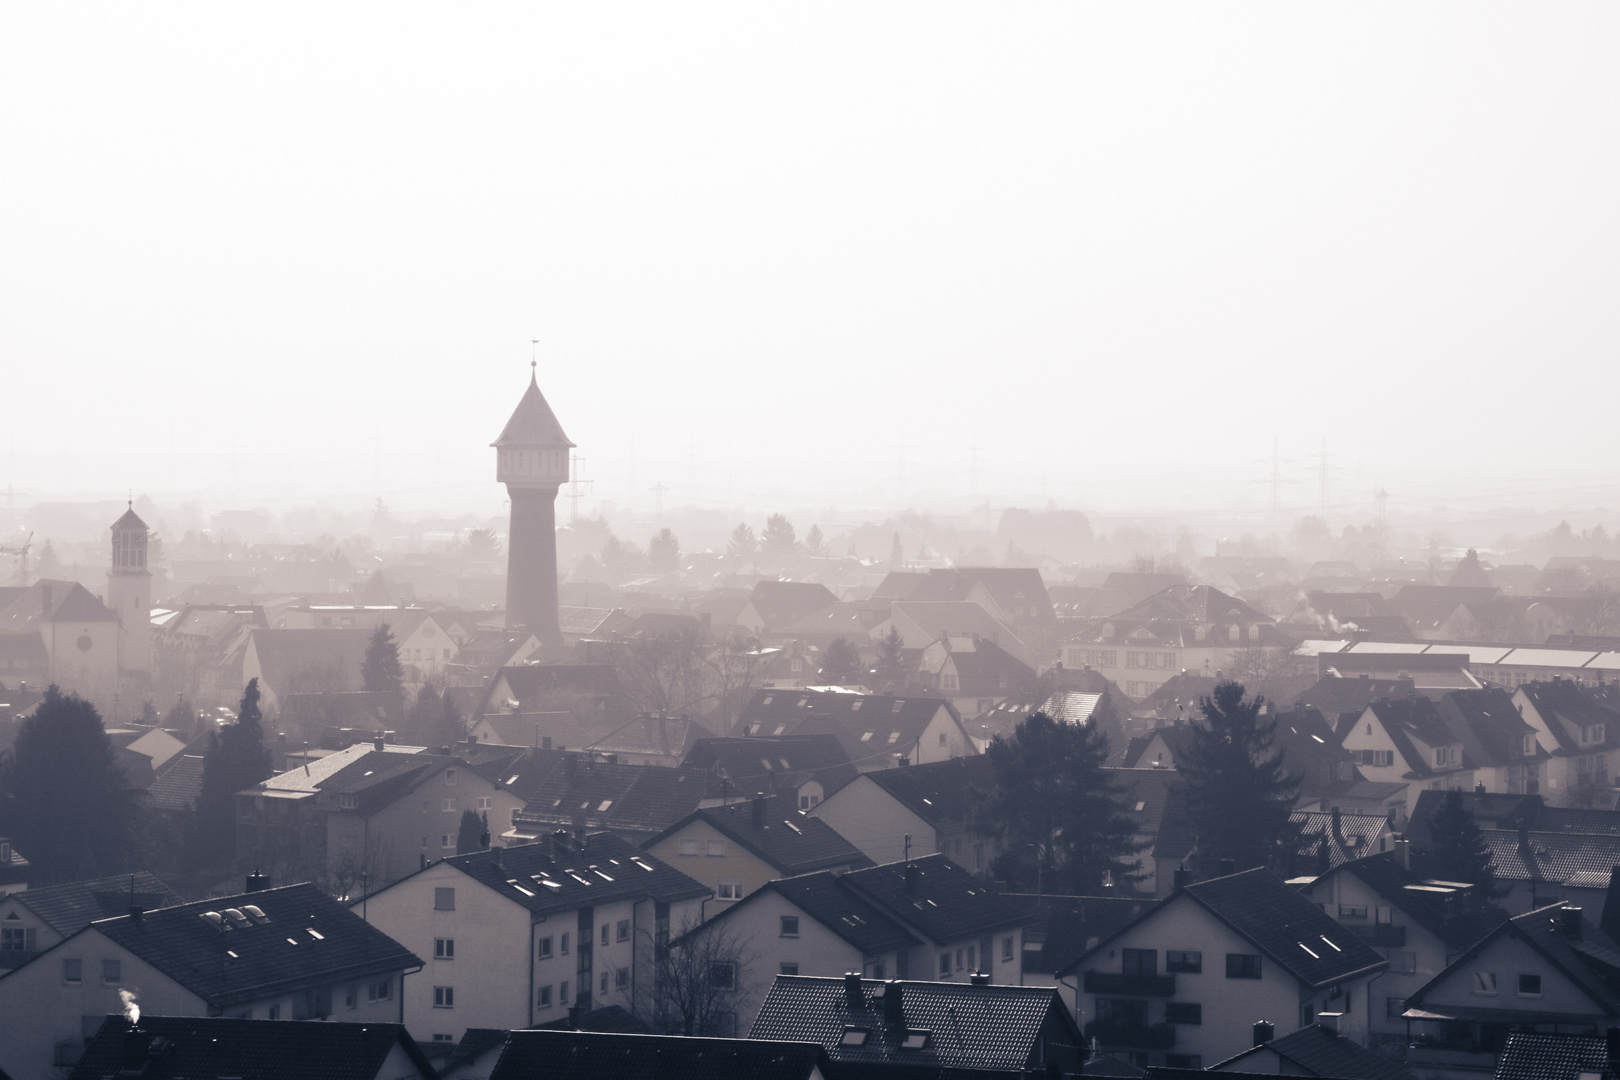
(15, 870)
(186, 1047)
(1419, 926)
(1547, 970)
(1314, 1050)
(1236, 949)
(589, 691)
(302, 661)
(1432, 673)
(590, 1055)
(877, 731)
(925, 919)
(1155, 800)
(1065, 927)
(1529, 1055)
(1014, 596)
(974, 674)
(1079, 696)
(1536, 868)
(652, 740)
(737, 848)
(905, 1028)
(920, 623)
(34, 920)
(1577, 732)
(1185, 628)
(518, 936)
(1406, 741)
(805, 768)
(1332, 838)
(775, 604)
(1504, 750)
(291, 953)
(897, 813)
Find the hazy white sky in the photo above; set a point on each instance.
(773, 251)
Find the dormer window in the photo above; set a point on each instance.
(1232, 633)
(1592, 734)
(1529, 744)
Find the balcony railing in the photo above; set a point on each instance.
(1113, 982)
(1113, 1033)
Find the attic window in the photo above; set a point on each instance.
(853, 920)
(316, 934)
(768, 698)
(577, 878)
(789, 824)
(1140, 806)
(552, 884)
(214, 919)
(915, 1040)
(785, 765)
(894, 737)
(779, 729)
(645, 866)
(292, 941)
(803, 702)
(605, 804)
(766, 762)
(855, 706)
(236, 917)
(1319, 739)
(854, 1036)
(599, 874)
(510, 780)
(513, 882)
(1330, 944)
(866, 736)
(232, 954)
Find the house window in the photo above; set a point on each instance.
(1529, 985)
(621, 979)
(729, 889)
(1485, 983)
(562, 993)
(381, 990)
(1139, 961)
(1183, 1012)
(622, 931)
(444, 997)
(605, 932)
(444, 899)
(351, 996)
(1383, 916)
(691, 847)
(1190, 961)
(275, 1011)
(1394, 1007)
(18, 938)
(486, 802)
(717, 848)
(723, 975)
(808, 802)
(958, 959)
(606, 976)
(543, 999)
(449, 805)
(1242, 966)
(112, 972)
(878, 971)
(444, 948)
(562, 945)
(944, 965)
(543, 951)
(73, 972)
(790, 926)
(789, 969)
(450, 777)
(1352, 911)
(1006, 948)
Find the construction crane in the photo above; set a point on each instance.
(22, 558)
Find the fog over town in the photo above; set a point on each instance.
(844, 541)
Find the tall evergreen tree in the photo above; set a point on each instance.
(664, 552)
(1457, 850)
(472, 835)
(779, 540)
(841, 661)
(892, 665)
(64, 800)
(381, 670)
(1237, 787)
(236, 759)
(1054, 808)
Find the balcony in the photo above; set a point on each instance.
(1381, 937)
(1116, 984)
(1112, 1033)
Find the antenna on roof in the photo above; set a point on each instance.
(534, 354)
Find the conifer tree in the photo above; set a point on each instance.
(381, 670)
(472, 834)
(236, 759)
(1457, 850)
(1237, 787)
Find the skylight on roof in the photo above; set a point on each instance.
(316, 934)
(292, 941)
(853, 1037)
(645, 866)
(232, 954)
(577, 878)
(552, 884)
(780, 728)
(256, 913)
(894, 737)
(1330, 944)
(915, 1040)
(510, 780)
(1308, 951)
(513, 882)
(898, 705)
(1319, 739)
(866, 736)
(1141, 805)
(605, 804)
(794, 827)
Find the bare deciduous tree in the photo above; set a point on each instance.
(699, 978)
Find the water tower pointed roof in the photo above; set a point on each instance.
(533, 423)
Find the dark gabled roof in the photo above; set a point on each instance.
(1281, 924)
(1355, 838)
(1384, 875)
(763, 765)
(781, 602)
(1490, 727)
(862, 924)
(378, 778)
(982, 669)
(1064, 927)
(973, 1027)
(177, 785)
(1285, 926)
(69, 908)
(1490, 810)
(49, 600)
(183, 945)
(187, 1047)
(591, 1055)
(1316, 1051)
(605, 870)
(669, 736)
(778, 833)
(1403, 720)
(1177, 696)
(939, 791)
(368, 709)
(1591, 962)
(1020, 592)
(1535, 1055)
(639, 799)
(285, 655)
(1569, 701)
(936, 897)
(532, 423)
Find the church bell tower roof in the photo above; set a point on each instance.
(130, 520)
(533, 423)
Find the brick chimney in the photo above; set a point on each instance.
(1264, 1032)
(854, 1000)
(894, 1013)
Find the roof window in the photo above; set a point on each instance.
(316, 934)
(915, 1040)
(605, 804)
(854, 1036)
(513, 882)
(894, 737)
(866, 736)
(236, 917)
(855, 706)
(1308, 950)
(898, 705)
(256, 913)
(215, 920)
(768, 698)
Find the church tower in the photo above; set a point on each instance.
(129, 594)
(531, 459)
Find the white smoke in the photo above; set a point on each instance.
(132, 1011)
